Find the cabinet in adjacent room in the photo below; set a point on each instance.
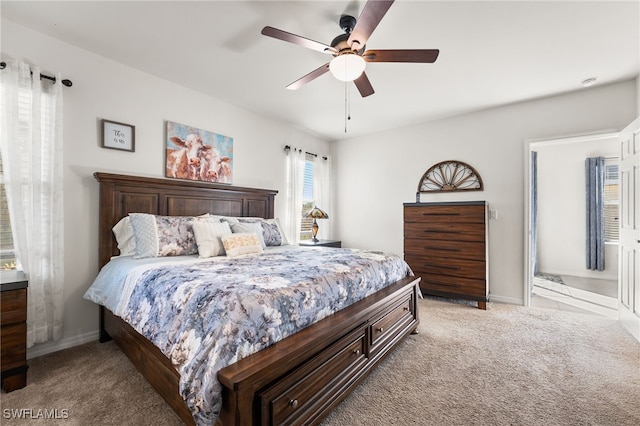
(446, 244)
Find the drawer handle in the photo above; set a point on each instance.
(293, 403)
(381, 329)
(453, 268)
(356, 352)
(406, 308)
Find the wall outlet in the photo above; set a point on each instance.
(493, 214)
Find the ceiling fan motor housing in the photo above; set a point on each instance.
(347, 23)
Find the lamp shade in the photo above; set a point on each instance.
(317, 213)
(347, 67)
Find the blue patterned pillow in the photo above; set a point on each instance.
(158, 236)
(271, 231)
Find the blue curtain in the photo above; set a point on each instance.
(594, 168)
(535, 267)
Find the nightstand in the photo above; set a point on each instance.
(321, 243)
(13, 330)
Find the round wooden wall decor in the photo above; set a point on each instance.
(450, 176)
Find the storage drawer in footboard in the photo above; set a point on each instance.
(390, 324)
(302, 395)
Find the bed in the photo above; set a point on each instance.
(297, 380)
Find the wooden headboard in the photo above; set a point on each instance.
(122, 194)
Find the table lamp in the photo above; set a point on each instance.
(316, 213)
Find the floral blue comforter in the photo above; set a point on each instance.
(207, 315)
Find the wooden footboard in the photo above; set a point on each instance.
(299, 379)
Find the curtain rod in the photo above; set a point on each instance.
(66, 82)
(287, 148)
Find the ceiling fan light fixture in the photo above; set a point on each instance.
(347, 67)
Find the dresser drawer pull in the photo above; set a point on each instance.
(454, 268)
(441, 248)
(406, 308)
(293, 403)
(356, 352)
(381, 329)
(441, 231)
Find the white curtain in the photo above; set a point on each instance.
(295, 182)
(322, 194)
(31, 147)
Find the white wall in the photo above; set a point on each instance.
(561, 206)
(106, 89)
(376, 174)
(638, 96)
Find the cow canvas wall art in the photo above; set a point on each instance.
(197, 154)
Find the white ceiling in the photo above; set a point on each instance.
(491, 53)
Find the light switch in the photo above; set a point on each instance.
(493, 214)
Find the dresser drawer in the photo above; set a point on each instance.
(475, 269)
(452, 286)
(446, 249)
(326, 375)
(445, 231)
(13, 306)
(446, 214)
(384, 327)
(13, 351)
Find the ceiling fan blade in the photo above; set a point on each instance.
(364, 85)
(296, 39)
(369, 19)
(402, 55)
(309, 77)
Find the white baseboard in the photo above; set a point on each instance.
(600, 275)
(507, 300)
(40, 349)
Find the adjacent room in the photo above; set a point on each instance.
(320, 212)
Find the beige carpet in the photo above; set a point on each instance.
(505, 366)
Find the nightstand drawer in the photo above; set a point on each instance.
(13, 308)
(14, 346)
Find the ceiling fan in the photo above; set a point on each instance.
(348, 49)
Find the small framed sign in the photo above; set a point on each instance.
(118, 136)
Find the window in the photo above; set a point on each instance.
(611, 201)
(307, 200)
(7, 253)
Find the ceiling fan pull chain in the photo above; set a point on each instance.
(345, 107)
(348, 101)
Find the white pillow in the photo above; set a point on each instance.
(123, 232)
(241, 243)
(208, 235)
(246, 227)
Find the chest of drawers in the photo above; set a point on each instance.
(446, 244)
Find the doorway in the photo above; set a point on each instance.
(556, 274)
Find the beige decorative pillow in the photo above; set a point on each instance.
(241, 243)
(208, 235)
(246, 227)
